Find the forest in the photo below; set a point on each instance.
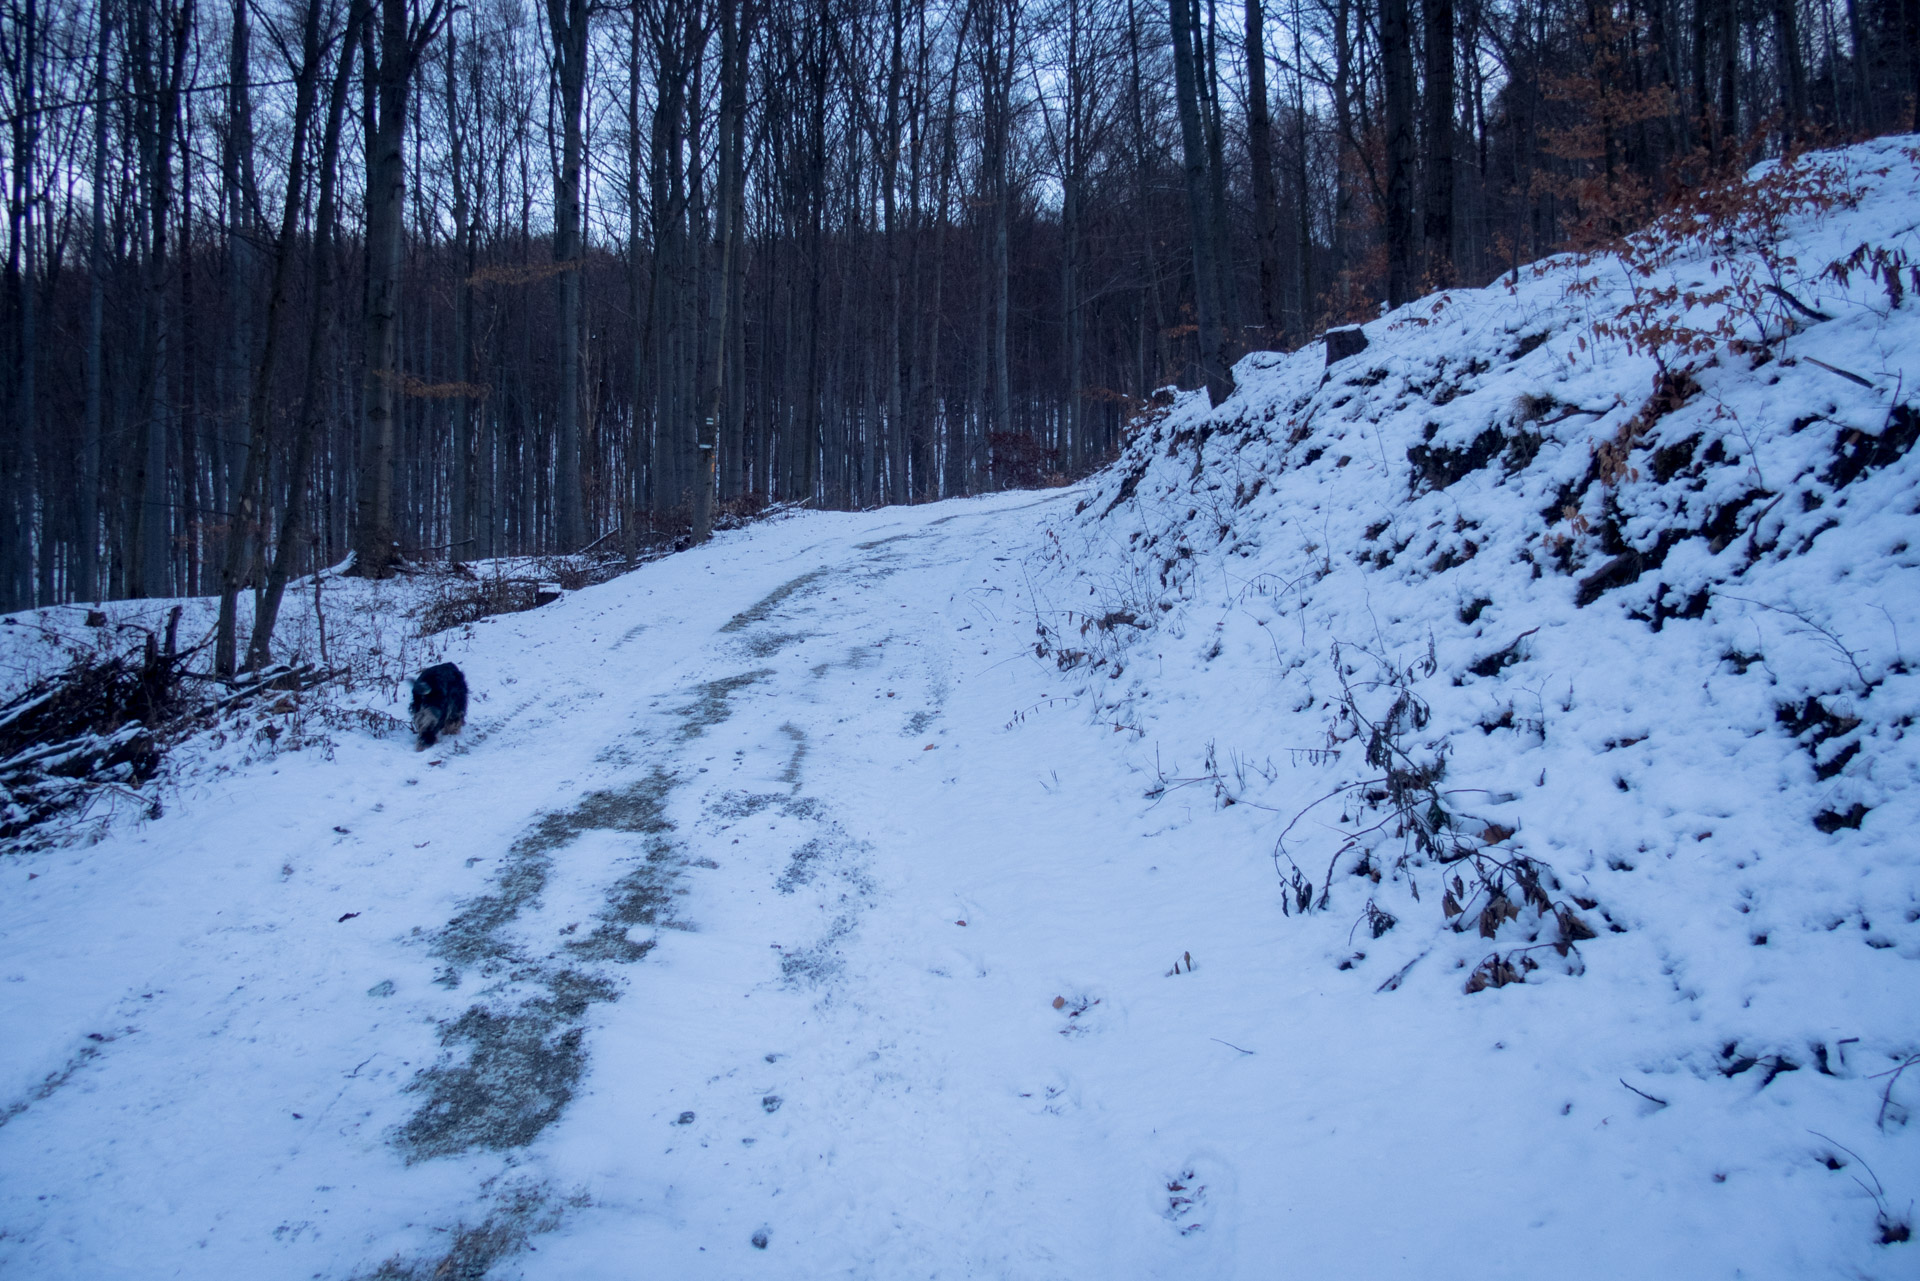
(410, 280)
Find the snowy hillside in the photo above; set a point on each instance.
(1443, 815)
(1541, 652)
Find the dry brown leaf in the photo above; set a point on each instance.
(1572, 928)
(1499, 910)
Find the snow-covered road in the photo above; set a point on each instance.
(780, 915)
(717, 930)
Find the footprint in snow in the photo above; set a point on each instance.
(1076, 1013)
(1186, 1203)
(1050, 1098)
(1196, 1200)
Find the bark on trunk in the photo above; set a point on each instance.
(1438, 221)
(401, 40)
(87, 561)
(720, 267)
(1266, 208)
(567, 23)
(1397, 56)
(1207, 303)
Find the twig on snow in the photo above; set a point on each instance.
(1643, 1094)
(1886, 1095)
(1393, 983)
(1800, 617)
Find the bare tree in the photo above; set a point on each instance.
(1209, 307)
(1266, 209)
(319, 330)
(1437, 60)
(243, 532)
(869, 252)
(403, 35)
(567, 24)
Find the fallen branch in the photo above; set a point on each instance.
(1643, 1094)
(1847, 374)
(596, 542)
(1393, 983)
(1797, 305)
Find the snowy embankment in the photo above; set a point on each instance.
(1444, 816)
(1567, 630)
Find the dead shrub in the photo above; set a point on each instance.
(739, 511)
(1401, 819)
(1739, 227)
(1020, 461)
(457, 601)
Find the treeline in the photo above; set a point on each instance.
(288, 279)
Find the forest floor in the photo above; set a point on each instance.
(1371, 831)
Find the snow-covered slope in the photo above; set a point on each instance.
(1543, 652)
(1441, 816)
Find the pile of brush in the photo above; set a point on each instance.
(94, 727)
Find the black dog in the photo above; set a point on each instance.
(439, 703)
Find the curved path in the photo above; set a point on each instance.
(727, 940)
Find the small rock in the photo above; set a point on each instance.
(1342, 343)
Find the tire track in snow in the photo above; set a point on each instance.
(513, 1062)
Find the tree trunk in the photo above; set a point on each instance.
(1910, 37)
(720, 267)
(999, 89)
(1438, 221)
(249, 510)
(639, 417)
(1152, 305)
(190, 526)
(934, 410)
(400, 43)
(1728, 123)
(1860, 113)
(1302, 180)
(159, 74)
(1207, 303)
(1348, 160)
(1213, 122)
(1793, 71)
(25, 194)
(293, 516)
(1072, 175)
(1266, 208)
(87, 561)
(895, 425)
(240, 201)
(567, 22)
(1397, 57)
(460, 505)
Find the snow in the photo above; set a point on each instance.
(907, 892)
